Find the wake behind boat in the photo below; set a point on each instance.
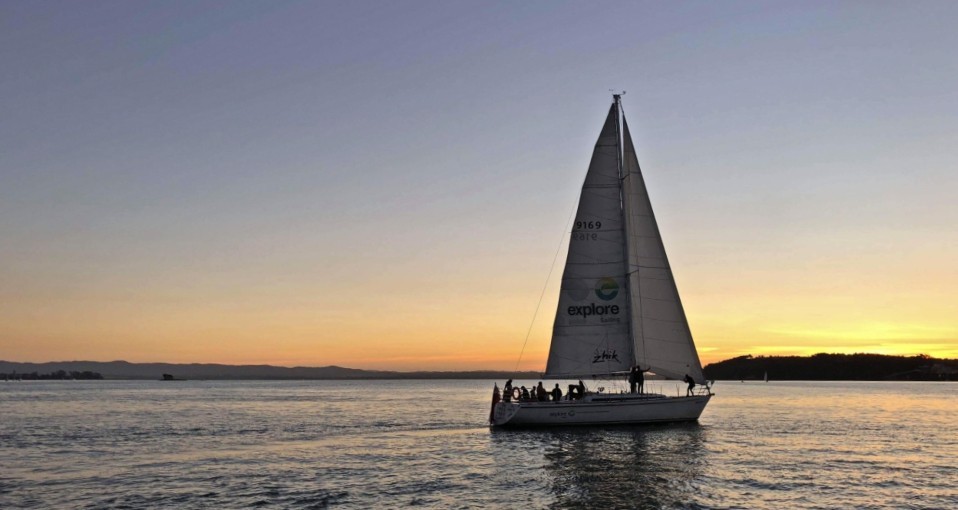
(619, 308)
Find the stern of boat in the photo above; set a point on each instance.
(502, 412)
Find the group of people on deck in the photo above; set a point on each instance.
(540, 394)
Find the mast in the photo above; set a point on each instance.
(625, 224)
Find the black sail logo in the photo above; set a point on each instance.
(605, 355)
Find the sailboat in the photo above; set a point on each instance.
(618, 306)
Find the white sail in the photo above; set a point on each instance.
(663, 340)
(591, 334)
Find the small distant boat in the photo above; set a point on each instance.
(618, 308)
(169, 377)
(766, 376)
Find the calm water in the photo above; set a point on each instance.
(320, 444)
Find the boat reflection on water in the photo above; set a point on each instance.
(650, 466)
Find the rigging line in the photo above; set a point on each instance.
(546, 285)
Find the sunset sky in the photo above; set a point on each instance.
(385, 184)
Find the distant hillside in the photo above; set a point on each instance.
(835, 367)
(820, 367)
(127, 370)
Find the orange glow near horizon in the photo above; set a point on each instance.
(475, 322)
(429, 334)
(400, 322)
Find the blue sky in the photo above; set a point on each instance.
(349, 158)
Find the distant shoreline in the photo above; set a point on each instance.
(819, 367)
(124, 370)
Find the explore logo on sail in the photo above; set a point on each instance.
(606, 289)
(593, 309)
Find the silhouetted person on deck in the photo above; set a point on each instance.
(541, 394)
(637, 379)
(556, 393)
(691, 382)
(525, 394)
(507, 391)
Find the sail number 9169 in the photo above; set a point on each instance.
(588, 225)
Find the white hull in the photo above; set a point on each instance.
(600, 410)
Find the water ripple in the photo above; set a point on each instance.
(392, 444)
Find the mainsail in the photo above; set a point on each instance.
(591, 335)
(618, 304)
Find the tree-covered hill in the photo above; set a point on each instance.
(835, 367)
